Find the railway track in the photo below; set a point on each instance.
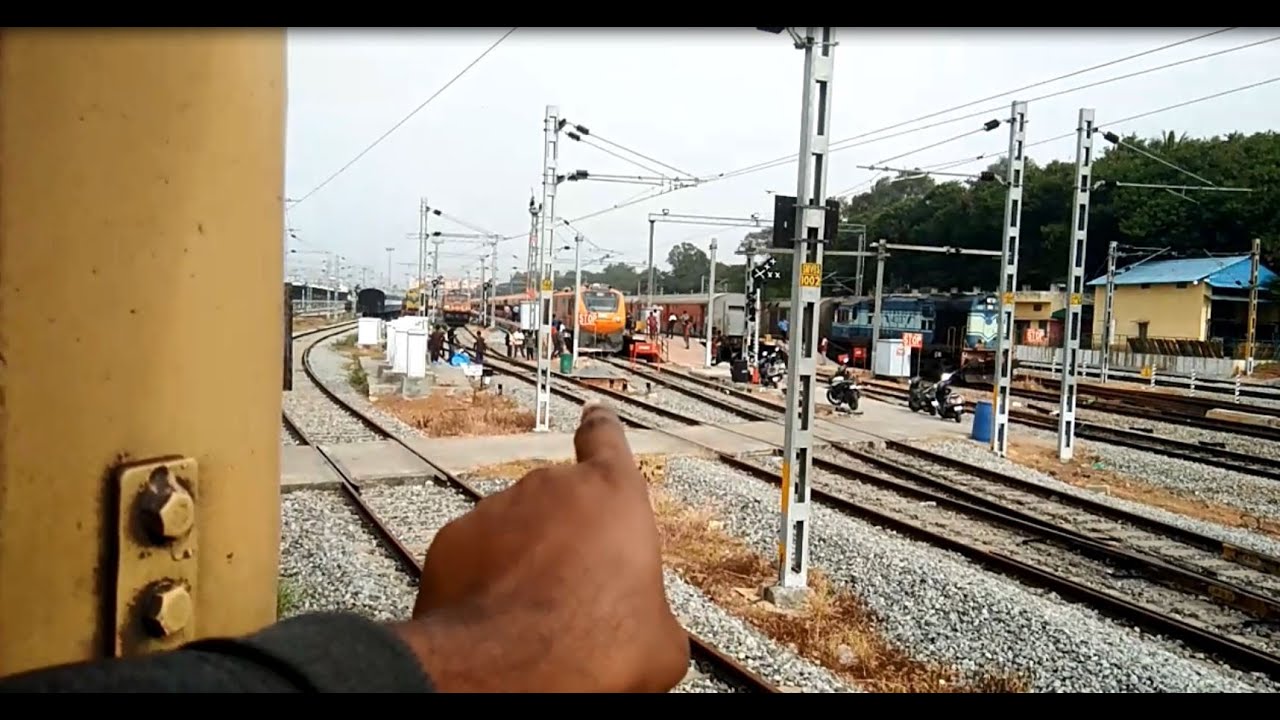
(1213, 596)
(1129, 405)
(1215, 386)
(1184, 404)
(1203, 453)
(704, 654)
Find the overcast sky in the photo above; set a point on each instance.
(703, 101)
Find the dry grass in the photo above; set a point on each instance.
(312, 322)
(1267, 371)
(834, 629)
(1081, 472)
(444, 414)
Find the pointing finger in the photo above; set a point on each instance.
(601, 438)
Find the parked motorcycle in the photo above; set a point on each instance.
(773, 366)
(920, 395)
(773, 371)
(843, 392)
(938, 398)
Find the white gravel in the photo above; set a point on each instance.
(730, 634)
(940, 607)
(330, 561)
(315, 414)
(1252, 494)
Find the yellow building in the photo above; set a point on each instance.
(1033, 319)
(1198, 299)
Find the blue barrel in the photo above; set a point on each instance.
(981, 421)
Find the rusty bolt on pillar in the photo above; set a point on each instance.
(166, 609)
(168, 512)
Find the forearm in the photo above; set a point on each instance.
(313, 653)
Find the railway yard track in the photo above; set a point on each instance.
(1203, 593)
(405, 535)
(1212, 386)
(1215, 595)
(1214, 453)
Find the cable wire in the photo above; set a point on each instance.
(1148, 113)
(1057, 93)
(791, 158)
(894, 126)
(405, 119)
(677, 170)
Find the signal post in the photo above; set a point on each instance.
(806, 290)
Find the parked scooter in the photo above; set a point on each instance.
(843, 391)
(949, 404)
(938, 398)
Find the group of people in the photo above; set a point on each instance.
(683, 324)
(442, 345)
(524, 343)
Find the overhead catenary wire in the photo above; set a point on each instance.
(620, 156)
(674, 169)
(779, 162)
(1148, 113)
(1162, 161)
(405, 119)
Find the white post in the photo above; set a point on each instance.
(795, 528)
(1006, 338)
(1075, 284)
(551, 152)
(416, 352)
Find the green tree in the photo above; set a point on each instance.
(969, 213)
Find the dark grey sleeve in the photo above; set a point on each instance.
(322, 652)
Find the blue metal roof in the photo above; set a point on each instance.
(1225, 272)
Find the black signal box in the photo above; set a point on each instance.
(784, 221)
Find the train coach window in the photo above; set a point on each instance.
(601, 302)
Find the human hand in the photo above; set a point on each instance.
(554, 584)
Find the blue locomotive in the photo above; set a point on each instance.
(958, 331)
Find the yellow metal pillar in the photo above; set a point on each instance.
(141, 175)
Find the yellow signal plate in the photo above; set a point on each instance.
(811, 275)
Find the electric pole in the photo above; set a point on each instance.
(1006, 338)
(877, 306)
(1251, 331)
(550, 153)
(806, 292)
(711, 303)
(577, 291)
(493, 260)
(433, 313)
(389, 282)
(1075, 285)
(1108, 314)
(861, 266)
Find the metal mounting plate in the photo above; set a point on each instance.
(145, 564)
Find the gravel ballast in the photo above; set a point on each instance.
(940, 607)
(1250, 493)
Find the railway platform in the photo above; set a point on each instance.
(387, 462)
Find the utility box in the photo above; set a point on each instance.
(528, 308)
(368, 331)
(892, 358)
